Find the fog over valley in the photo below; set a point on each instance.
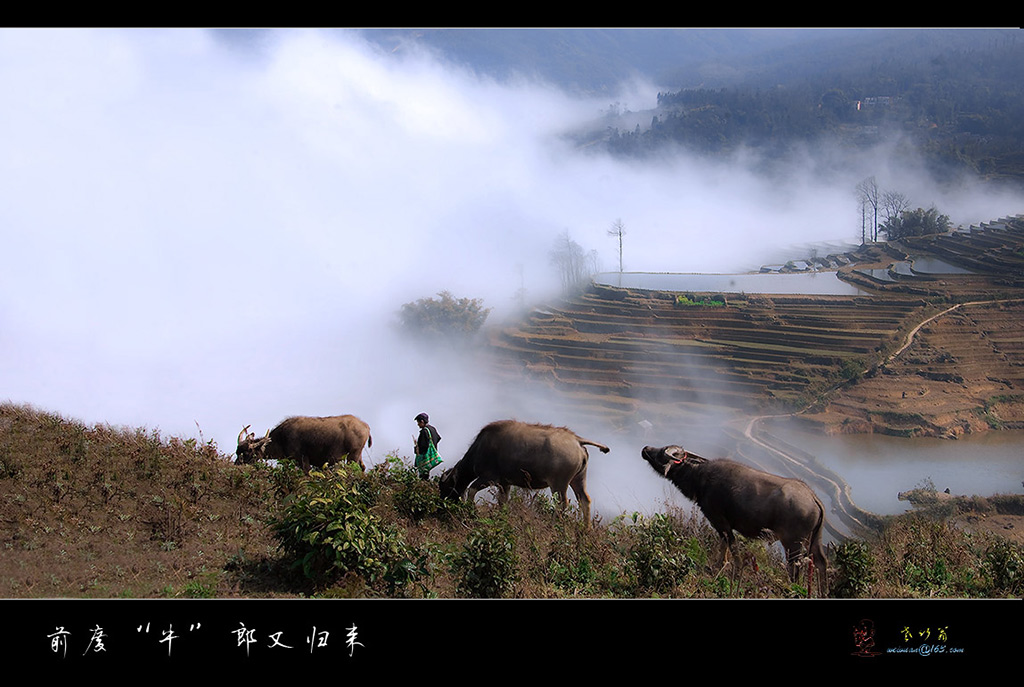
(200, 235)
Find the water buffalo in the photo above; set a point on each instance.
(309, 441)
(735, 497)
(509, 453)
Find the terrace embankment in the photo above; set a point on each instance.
(845, 363)
(962, 372)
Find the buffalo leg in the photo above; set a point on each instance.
(815, 562)
(793, 553)
(728, 557)
(479, 484)
(563, 498)
(725, 544)
(303, 462)
(472, 490)
(583, 498)
(357, 457)
(503, 490)
(726, 566)
(821, 567)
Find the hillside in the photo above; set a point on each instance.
(117, 512)
(100, 512)
(850, 363)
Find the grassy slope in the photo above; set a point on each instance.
(105, 512)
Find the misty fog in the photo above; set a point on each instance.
(199, 236)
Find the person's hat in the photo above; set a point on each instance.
(422, 417)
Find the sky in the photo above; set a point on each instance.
(199, 235)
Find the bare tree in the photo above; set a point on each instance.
(520, 295)
(618, 229)
(573, 263)
(863, 221)
(894, 204)
(868, 193)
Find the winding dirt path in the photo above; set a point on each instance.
(808, 469)
(909, 340)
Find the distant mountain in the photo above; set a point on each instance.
(598, 60)
(954, 94)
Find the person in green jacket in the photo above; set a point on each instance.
(426, 446)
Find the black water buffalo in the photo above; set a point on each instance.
(736, 497)
(309, 441)
(509, 453)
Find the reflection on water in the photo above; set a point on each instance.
(878, 467)
(808, 283)
(931, 265)
(916, 266)
(880, 273)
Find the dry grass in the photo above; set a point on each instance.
(101, 512)
(106, 512)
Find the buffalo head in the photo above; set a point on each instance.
(662, 459)
(250, 449)
(447, 485)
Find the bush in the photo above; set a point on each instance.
(328, 529)
(853, 569)
(852, 369)
(444, 318)
(917, 222)
(1004, 564)
(659, 555)
(410, 495)
(929, 558)
(485, 567)
(690, 300)
(577, 561)
(416, 499)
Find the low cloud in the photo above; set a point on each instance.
(198, 235)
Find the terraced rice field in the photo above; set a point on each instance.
(616, 349)
(641, 345)
(964, 372)
(990, 248)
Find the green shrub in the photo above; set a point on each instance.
(659, 555)
(852, 369)
(412, 496)
(199, 590)
(416, 499)
(576, 562)
(930, 558)
(573, 575)
(445, 318)
(328, 529)
(1004, 564)
(486, 565)
(689, 300)
(853, 569)
(285, 476)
